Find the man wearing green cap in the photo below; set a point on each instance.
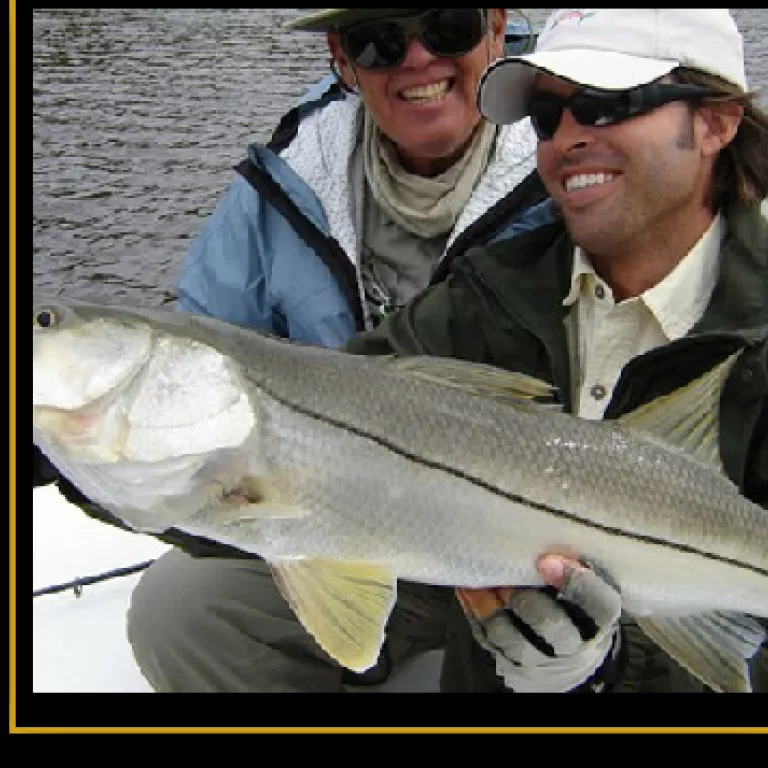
(367, 190)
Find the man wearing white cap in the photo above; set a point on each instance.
(656, 157)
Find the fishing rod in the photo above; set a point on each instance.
(77, 584)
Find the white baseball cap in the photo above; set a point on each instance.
(615, 49)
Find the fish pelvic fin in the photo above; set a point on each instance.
(344, 605)
(687, 418)
(515, 389)
(714, 647)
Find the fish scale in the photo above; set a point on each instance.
(600, 461)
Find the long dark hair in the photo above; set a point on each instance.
(741, 170)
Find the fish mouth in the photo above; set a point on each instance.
(76, 366)
(95, 431)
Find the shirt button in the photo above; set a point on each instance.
(599, 291)
(597, 391)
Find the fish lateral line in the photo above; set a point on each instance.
(513, 497)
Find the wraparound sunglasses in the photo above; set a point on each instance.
(594, 107)
(383, 44)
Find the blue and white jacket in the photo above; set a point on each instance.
(281, 251)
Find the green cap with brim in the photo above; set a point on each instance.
(330, 18)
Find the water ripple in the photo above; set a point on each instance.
(139, 116)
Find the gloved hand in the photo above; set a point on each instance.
(549, 639)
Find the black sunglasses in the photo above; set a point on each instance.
(594, 107)
(383, 44)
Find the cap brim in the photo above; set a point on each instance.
(340, 17)
(505, 86)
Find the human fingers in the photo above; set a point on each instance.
(480, 603)
(552, 568)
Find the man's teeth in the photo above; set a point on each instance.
(430, 92)
(587, 180)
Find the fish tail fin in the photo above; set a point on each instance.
(715, 647)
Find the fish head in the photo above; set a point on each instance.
(141, 416)
(80, 365)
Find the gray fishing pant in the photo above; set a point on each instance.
(220, 625)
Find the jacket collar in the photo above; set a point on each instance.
(542, 262)
(531, 275)
(738, 303)
(332, 132)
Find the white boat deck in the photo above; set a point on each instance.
(79, 643)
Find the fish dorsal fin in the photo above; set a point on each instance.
(688, 417)
(343, 605)
(515, 389)
(714, 647)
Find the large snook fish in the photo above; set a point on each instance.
(347, 473)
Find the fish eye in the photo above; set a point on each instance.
(45, 318)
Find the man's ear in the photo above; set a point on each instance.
(338, 55)
(497, 24)
(721, 121)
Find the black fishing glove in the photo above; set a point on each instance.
(547, 641)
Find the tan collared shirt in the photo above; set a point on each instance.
(603, 335)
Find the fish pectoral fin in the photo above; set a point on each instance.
(343, 605)
(688, 417)
(516, 389)
(254, 498)
(714, 646)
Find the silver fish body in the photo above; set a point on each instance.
(433, 471)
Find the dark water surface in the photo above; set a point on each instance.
(139, 116)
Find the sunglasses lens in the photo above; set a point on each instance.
(545, 117)
(547, 112)
(452, 32)
(383, 44)
(587, 110)
(376, 46)
(595, 108)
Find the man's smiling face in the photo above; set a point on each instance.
(427, 105)
(622, 183)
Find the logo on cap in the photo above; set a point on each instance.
(572, 15)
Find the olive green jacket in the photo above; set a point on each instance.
(503, 305)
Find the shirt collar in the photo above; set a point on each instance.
(582, 271)
(679, 300)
